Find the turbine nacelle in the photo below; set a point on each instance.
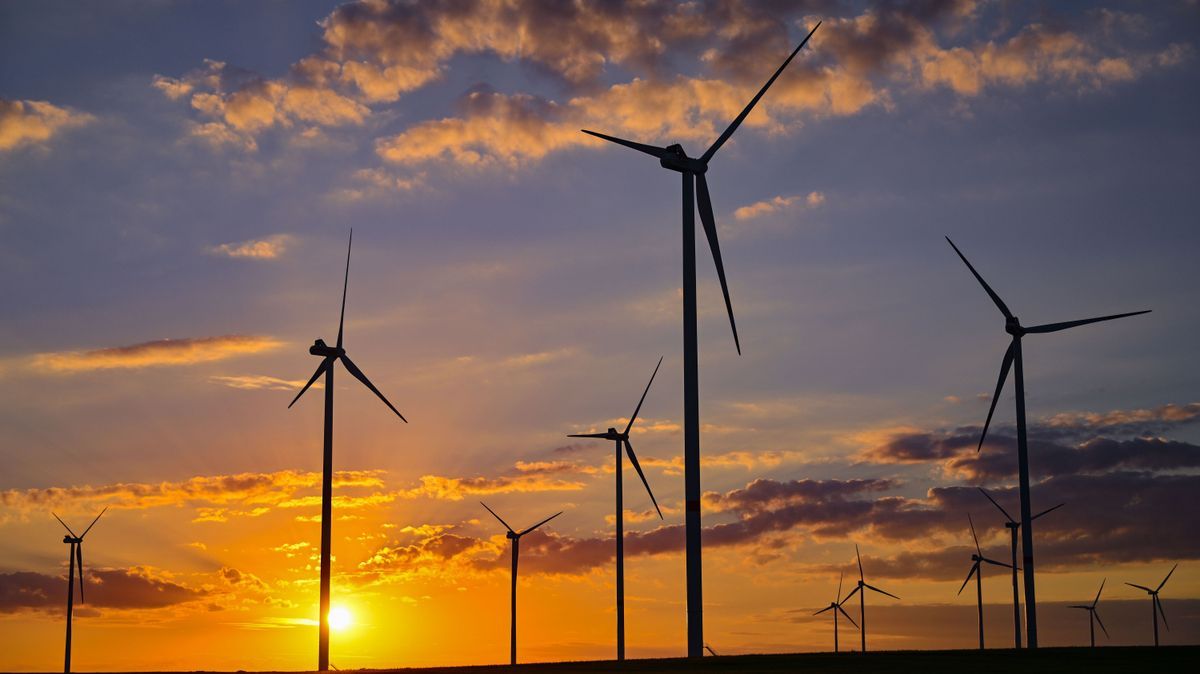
(1012, 325)
(320, 348)
(71, 541)
(674, 158)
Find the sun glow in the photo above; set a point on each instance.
(340, 618)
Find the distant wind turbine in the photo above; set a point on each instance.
(836, 607)
(977, 571)
(861, 591)
(1093, 615)
(1156, 608)
(622, 440)
(1013, 525)
(329, 357)
(1013, 356)
(515, 537)
(74, 555)
(695, 191)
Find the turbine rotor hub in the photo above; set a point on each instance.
(1013, 327)
(320, 348)
(678, 160)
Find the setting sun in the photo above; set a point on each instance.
(340, 618)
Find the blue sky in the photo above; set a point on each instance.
(190, 171)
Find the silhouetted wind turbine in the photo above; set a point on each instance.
(695, 192)
(515, 537)
(836, 607)
(330, 356)
(1156, 608)
(1093, 616)
(710, 650)
(977, 571)
(861, 591)
(1013, 357)
(74, 555)
(1013, 526)
(622, 439)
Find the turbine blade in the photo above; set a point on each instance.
(651, 150)
(65, 526)
(1002, 510)
(527, 530)
(1086, 608)
(1140, 587)
(1097, 599)
(345, 285)
(79, 563)
(316, 375)
(847, 615)
(995, 563)
(1160, 585)
(1158, 603)
(85, 531)
(710, 229)
(1005, 364)
(859, 556)
(590, 435)
(353, 369)
(643, 398)
(1055, 327)
(1101, 622)
(497, 517)
(708, 154)
(969, 521)
(991, 293)
(853, 592)
(840, 576)
(1048, 510)
(827, 608)
(972, 572)
(872, 587)
(638, 468)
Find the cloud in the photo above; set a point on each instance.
(26, 123)
(253, 382)
(183, 351)
(137, 587)
(456, 488)
(246, 489)
(268, 248)
(776, 204)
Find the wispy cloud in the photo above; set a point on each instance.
(163, 352)
(776, 204)
(27, 123)
(267, 248)
(253, 382)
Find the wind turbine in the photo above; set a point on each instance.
(861, 591)
(1093, 616)
(1013, 525)
(1013, 357)
(695, 192)
(836, 607)
(622, 438)
(1156, 608)
(515, 537)
(977, 571)
(74, 554)
(710, 650)
(329, 357)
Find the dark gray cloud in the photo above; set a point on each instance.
(133, 588)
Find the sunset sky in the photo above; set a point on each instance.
(177, 183)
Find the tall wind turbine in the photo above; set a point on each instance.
(329, 356)
(836, 607)
(695, 192)
(1013, 526)
(1094, 616)
(1156, 608)
(861, 591)
(977, 571)
(515, 537)
(74, 555)
(1013, 357)
(622, 440)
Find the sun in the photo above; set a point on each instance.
(340, 618)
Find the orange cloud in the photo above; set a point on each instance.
(25, 123)
(186, 351)
(251, 382)
(267, 248)
(776, 204)
(455, 488)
